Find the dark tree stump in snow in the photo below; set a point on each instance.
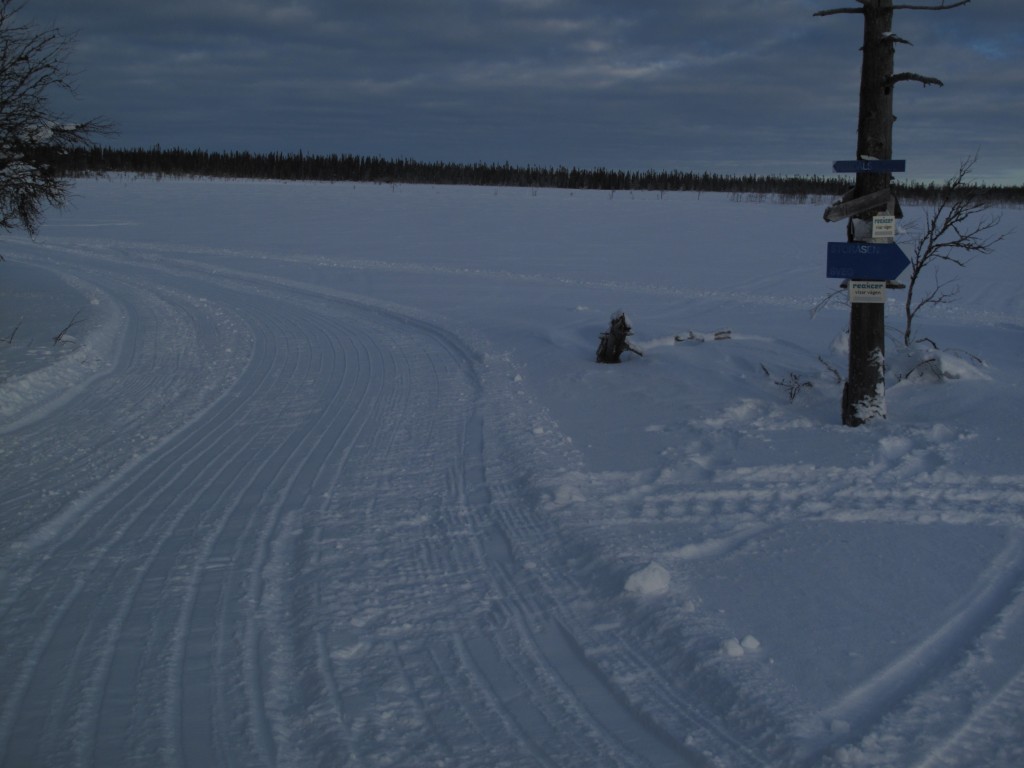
(614, 341)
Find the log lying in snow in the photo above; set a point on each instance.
(696, 338)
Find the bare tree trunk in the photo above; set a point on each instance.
(864, 394)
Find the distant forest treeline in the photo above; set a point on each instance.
(333, 168)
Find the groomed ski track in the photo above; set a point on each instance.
(266, 554)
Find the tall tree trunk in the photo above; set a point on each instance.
(864, 394)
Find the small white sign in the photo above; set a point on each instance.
(883, 226)
(867, 291)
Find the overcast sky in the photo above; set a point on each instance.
(728, 86)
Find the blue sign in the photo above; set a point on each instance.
(866, 261)
(869, 166)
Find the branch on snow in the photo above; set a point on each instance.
(62, 333)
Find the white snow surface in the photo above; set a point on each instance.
(327, 475)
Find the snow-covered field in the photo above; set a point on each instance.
(327, 475)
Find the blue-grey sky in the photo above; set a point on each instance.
(727, 86)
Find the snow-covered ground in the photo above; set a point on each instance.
(327, 475)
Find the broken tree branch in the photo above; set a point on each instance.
(903, 77)
(894, 38)
(834, 11)
(942, 7)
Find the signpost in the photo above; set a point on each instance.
(869, 166)
(866, 261)
(883, 227)
(848, 208)
(867, 291)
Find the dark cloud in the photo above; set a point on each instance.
(719, 85)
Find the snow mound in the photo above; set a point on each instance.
(927, 365)
(652, 580)
(734, 647)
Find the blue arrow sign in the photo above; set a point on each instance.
(866, 261)
(869, 166)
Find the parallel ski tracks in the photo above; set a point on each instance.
(137, 550)
(320, 558)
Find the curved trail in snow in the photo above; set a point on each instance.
(282, 529)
